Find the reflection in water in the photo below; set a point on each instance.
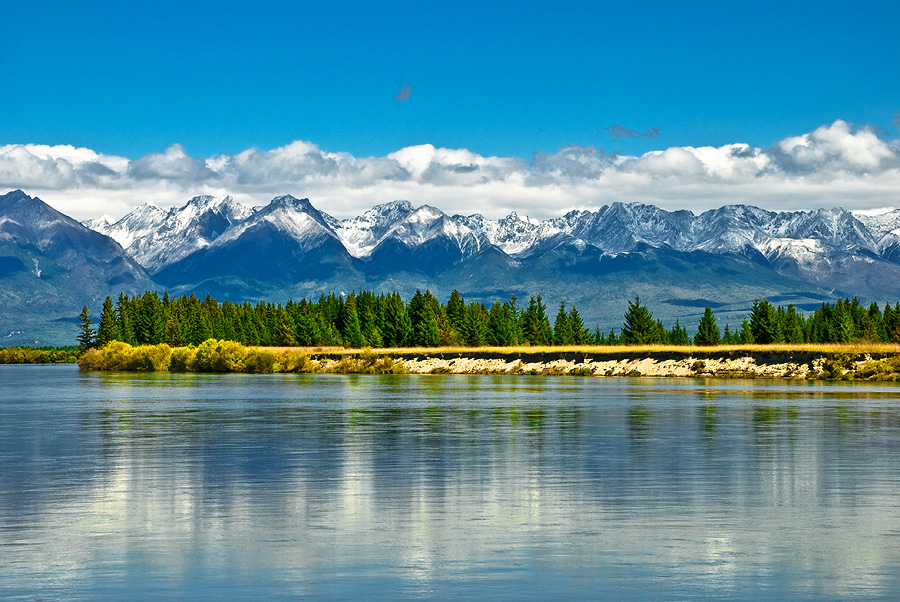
(404, 486)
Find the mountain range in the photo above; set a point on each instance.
(677, 261)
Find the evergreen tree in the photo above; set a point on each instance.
(284, 335)
(425, 331)
(397, 325)
(726, 336)
(456, 310)
(474, 326)
(745, 337)
(108, 329)
(580, 334)
(562, 332)
(535, 325)
(352, 333)
(707, 330)
(639, 327)
(86, 334)
(678, 335)
(764, 323)
(501, 326)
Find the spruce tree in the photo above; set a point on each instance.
(707, 330)
(562, 332)
(580, 334)
(108, 329)
(764, 323)
(86, 334)
(639, 327)
(535, 325)
(353, 336)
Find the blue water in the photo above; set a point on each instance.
(190, 487)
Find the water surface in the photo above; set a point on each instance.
(129, 486)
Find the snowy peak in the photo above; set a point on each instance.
(428, 223)
(142, 222)
(361, 234)
(286, 215)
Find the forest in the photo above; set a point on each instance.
(378, 320)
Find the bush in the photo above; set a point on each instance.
(220, 356)
(148, 358)
(261, 361)
(184, 359)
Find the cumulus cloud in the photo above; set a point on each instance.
(835, 165)
(620, 131)
(174, 165)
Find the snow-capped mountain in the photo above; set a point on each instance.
(156, 238)
(397, 236)
(361, 234)
(286, 242)
(728, 256)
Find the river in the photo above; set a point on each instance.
(197, 487)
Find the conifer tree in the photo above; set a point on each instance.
(707, 330)
(397, 325)
(456, 310)
(535, 325)
(353, 336)
(86, 334)
(562, 332)
(474, 326)
(108, 329)
(726, 336)
(639, 327)
(764, 323)
(745, 337)
(580, 334)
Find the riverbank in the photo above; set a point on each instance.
(827, 362)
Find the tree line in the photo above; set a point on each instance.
(367, 319)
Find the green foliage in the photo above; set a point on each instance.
(707, 330)
(30, 355)
(535, 325)
(86, 334)
(639, 327)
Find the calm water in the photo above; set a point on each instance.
(283, 487)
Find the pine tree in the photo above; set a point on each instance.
(86, 334)
(108, 329)
(745, 337)
(678, 335)
(535, 325)
(639, 327)
(707, 330)
(580, 334)
(456, 310)
(397, 326)
(474, 326)
(284, 335)
(562, 332)
(726, 336)
(501, 327)
(353, 336)
(764, 323)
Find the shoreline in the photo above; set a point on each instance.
(813, 362)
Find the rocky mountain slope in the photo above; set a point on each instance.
(50, 266)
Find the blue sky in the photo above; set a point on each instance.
(499, 79)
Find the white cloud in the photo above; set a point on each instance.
(833, 165)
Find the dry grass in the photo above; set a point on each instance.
(824, 348)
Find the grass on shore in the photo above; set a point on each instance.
(860, 348)
(840, 361)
